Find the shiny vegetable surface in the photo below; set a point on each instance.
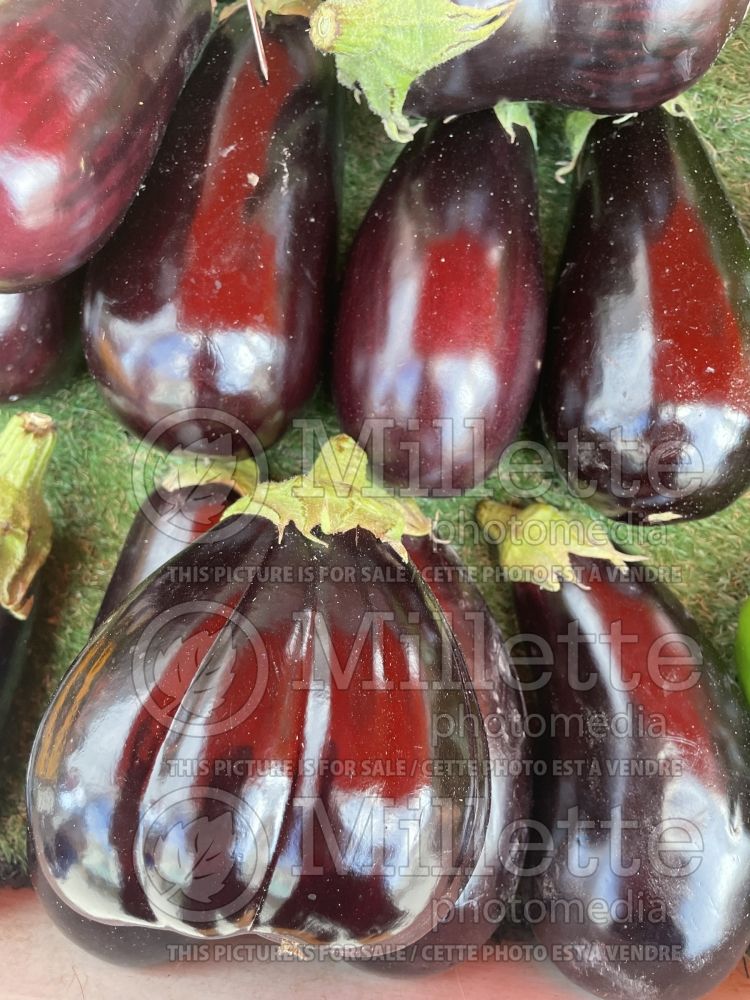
(39, 337)
(315, 763)
(614, 57)
(163, 526)
(649, 813)
(441, 324)
(86, 88)
(213, 295)
(646, 391)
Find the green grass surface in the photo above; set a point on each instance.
(93, 499)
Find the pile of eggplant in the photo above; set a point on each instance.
(296, 725)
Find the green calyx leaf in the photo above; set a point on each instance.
(337, 495)
(292, 8)
(536, 544)
(26, 446)
(383, 46)
(513, 115)
(241, 475)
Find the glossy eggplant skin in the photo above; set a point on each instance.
(646, 390)
(86, 88)
(39, 337)
(632, 684)
(311, 686)
(214, 293)
(441, 323)
(163, 526)
(613, 58)
(14, 639)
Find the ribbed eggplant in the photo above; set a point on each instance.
(441, 326)
(39, 337)
(646, 391)
(86, 89)
(213, 294)
(166, 523)
(313, 762)
(644, 888)
(614, 57)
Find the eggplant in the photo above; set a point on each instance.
(86, 88)
(642, 889)
(166, 523)
(612, 58)
(39, 337)
(313, 763)
(646, 389)
(441, 323)
(14, 646)
(213, 295)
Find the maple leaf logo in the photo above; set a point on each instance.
(193, 676)
(195, 858)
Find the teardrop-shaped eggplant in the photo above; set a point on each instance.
(644, 890)
(39, 337)
(86, 89)
(646, 391)
(166, 523)
(614, 57)
(441, 324)
(213, 295)
(308, 762)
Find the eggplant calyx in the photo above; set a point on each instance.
(285, 8)
(26, 446)
(239, 475)
(383, 46)
(742, 649)
(577, 127)
(516, 114)
(536, 544)
(337, 495)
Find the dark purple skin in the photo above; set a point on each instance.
(86, 89)
(14, 639)
(214, 294)
(163, 526)
(612, 57)
(39, 337)
(646, 390)
(686, 715)
(87, 794)
(443, 309)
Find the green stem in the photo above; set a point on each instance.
(26, 446)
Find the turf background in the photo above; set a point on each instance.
(92, 496)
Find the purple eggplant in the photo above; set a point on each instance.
(646, 391)
(86, 89)
(324, 762)
(441, 325)
(612, 57)
(39, 337)
(640, 882)
(166, 523)
(214, 293)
